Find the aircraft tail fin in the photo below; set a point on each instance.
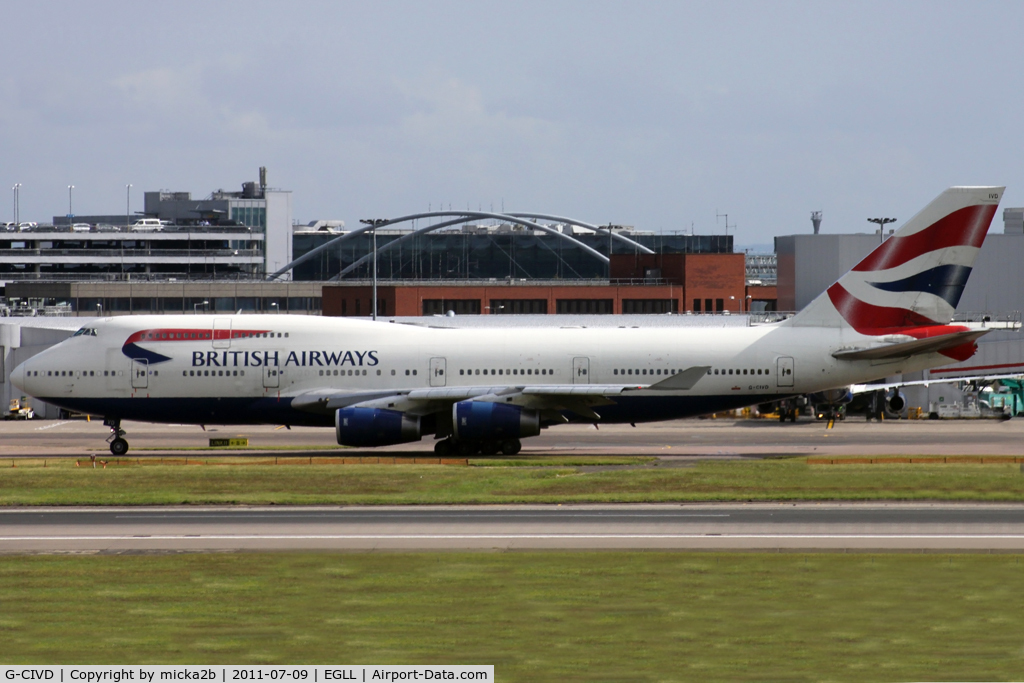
(914, 278)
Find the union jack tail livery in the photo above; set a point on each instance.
(915, 278)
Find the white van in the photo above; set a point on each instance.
(80, 227)
(147, 225)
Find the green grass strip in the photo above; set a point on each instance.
(554, 616)
(768, 480)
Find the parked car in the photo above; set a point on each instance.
(28, 225)
(80, 227)
(8, 226)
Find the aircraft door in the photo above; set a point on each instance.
(785, 371)
(222, 333)
(271, 372)
(581, 371)
(115, 377)
(437, 369)
(140, 373)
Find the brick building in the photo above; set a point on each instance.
(640, 283)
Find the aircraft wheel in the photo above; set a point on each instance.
(443, 447)
(782, 416)
(511, 446)
(490, 448)
(118, 446)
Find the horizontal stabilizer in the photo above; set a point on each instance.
(912, 348)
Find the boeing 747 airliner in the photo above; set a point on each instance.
(482, 390)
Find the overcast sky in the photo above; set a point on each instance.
(655, 114)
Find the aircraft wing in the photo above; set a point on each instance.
(576, 398)
(904, 349)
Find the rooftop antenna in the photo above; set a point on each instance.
(726, 216)
(816, 221)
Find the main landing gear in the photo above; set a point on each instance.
(118, 446)
(446, 447)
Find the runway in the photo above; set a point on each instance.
(912, 527)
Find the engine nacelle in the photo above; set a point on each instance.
(484, 420)
(895, 402)
(375, 427)
(832, 397)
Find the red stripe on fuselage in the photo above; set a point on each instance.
(169, 334)
(965, 227)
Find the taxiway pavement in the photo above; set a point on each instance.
(907, 527)
(683, 438)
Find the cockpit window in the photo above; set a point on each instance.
(87, 331)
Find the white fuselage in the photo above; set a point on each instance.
(249, 368)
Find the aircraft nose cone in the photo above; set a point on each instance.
(18, 377)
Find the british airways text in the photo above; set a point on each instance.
(249, 359)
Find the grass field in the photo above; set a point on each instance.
(536, 616)
(513, 481)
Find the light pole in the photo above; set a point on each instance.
(71, 213)
(99, 310)
(128, 205)
(274, 307)
(374, 222)
(17, 198)
(195, 307)
(881, 223)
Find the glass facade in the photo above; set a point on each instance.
(465, 256)
(585, 306)
(650, 305)
(511, 306)
(442, 306)
(252, 214)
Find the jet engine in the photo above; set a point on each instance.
(484, 420)
(375, 427)
(895, 402)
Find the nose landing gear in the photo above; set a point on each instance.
(118, 445)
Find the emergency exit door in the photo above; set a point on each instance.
(437, 372)
(271, 373)
(140, 373)
(785, 371)
(581, 371)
